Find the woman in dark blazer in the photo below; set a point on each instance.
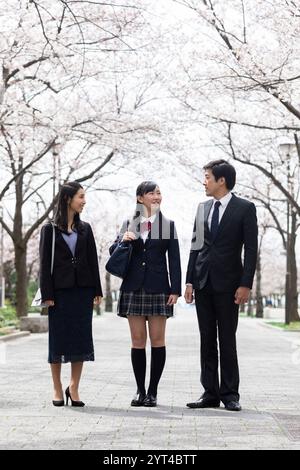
(149, 290)
(70, 291)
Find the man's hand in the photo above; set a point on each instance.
(49, 303)
(242, 295)
(97, 300)
(188, 295)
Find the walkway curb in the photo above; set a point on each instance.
(274, 327)
(10, 337)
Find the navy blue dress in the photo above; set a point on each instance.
(70, 321)
(70, 325)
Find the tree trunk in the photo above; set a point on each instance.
(21, 281)
(249, 306)
(20, 247)
(108, 296)
(259, 300)
(9, 271)
(292, 291)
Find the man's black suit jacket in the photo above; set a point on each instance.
(221, 258)
(81, 270)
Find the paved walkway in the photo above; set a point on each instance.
(270, 394)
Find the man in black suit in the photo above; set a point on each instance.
(221, 281)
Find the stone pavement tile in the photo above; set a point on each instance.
(96, 446)
(291, 446)
(269, 384)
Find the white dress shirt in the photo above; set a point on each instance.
(224, 203)
(144, 235)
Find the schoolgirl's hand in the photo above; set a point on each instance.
(49, 303)
(172, 300)
(188, 295)
(128, 237)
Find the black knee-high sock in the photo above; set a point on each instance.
(158, 359)
(138, 359)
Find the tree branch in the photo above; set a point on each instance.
(263, 170)
(26, 167)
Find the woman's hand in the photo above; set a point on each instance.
(128, 237)
(97, 300)
(49, 303)
(172, 300)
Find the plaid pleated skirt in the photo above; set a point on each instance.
(141, 303)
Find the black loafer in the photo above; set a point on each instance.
(204, 403)
(138, 399)
(233, 406)
(150, 401)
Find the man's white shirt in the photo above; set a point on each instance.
(224, 203)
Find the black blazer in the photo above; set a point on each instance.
(148, 264)
(221, 258)
(81, 270)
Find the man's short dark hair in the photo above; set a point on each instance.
(221, 168)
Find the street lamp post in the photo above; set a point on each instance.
(56, 169)
(286, 148)
(288, 265)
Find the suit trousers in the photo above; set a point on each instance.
(218, 320)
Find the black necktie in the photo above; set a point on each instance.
(215, 220)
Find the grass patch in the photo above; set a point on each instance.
(293, 326)
(7, 330)
(245, 315)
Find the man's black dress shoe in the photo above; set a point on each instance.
(138, 399)
(150, 400)
(204, 403)
(233, 406)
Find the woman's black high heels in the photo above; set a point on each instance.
(58, 402)
(73, 402)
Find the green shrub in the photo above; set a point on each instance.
(8, 316)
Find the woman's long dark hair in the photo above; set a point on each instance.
(67, 192)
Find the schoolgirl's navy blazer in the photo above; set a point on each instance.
(148, 265)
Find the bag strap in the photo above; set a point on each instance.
(119, 240)
(53, 248)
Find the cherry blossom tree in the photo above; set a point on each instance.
(67, 109)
